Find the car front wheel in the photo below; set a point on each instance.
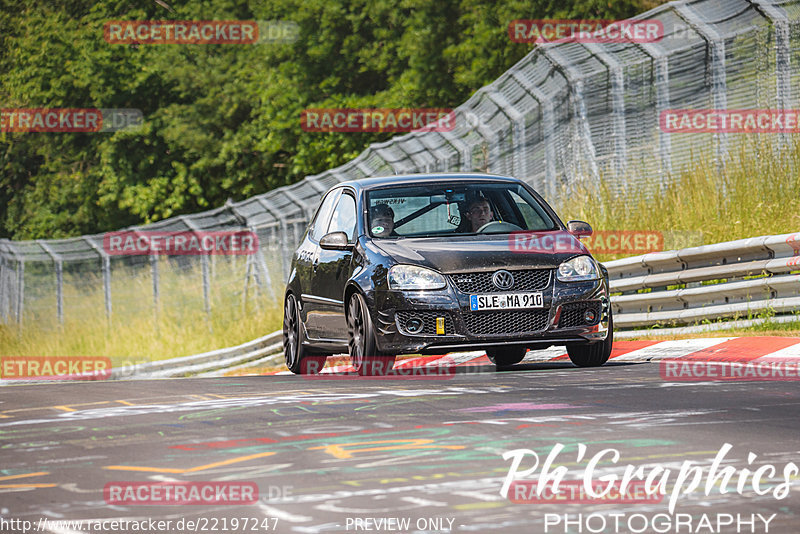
(364, 354)
(593, 355)
(297, 358)
(506, 356)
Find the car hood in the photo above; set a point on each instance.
(477, 253)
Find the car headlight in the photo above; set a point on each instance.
(414, 277)
(577, 269)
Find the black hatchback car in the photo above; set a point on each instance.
(437, 263)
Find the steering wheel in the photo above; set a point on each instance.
(498, 226)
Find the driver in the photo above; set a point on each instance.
(479, 213)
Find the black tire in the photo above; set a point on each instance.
(364, 354)
(593, 355)
(297, 358)
(506, 356)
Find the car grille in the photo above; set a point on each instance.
(572, 314)
(428, 321)
(505, 322)
(525, 280)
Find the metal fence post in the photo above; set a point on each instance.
(575, 79)
(548, 132)
(4, 290)
(59, 279)
(20, 290)
(105, 260)
(661, 65)
(443, 163)
(780, 24)
(489, 140)
(242, 220)
(154, 272)
(204, 271)
(719, 91)
(461, 147)
(285, 259)
(517, 120)
(400, 166)
(261, 264)
(617, 104)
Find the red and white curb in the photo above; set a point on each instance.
(718, 349)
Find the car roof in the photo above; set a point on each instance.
(417, 179)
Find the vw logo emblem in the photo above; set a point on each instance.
(503, 280)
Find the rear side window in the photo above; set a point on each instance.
(320, 225)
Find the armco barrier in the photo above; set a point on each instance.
(744, 278)
(205, 362)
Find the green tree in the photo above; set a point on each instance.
(223, 121)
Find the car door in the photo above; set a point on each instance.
(333, 270)
(307, 263)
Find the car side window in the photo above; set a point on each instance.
(320, 225)
(344, 217)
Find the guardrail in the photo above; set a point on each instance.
(744, 278)
(206, 362)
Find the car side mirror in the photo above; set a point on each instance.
(335, 241)
(579, 229)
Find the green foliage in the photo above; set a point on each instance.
(222, 121)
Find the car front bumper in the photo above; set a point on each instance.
(449, 324)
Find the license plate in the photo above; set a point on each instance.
(505, 301)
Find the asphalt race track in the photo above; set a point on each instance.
(346, 454)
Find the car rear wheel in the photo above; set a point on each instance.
(593, 355)
(297, 358)
(506, 356)
(364, 354)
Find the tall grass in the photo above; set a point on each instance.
(757, 192)
(137, 330)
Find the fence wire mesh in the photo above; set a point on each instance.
(566, 113)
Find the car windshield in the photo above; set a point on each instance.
(432, 210)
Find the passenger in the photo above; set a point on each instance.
(381, 218)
